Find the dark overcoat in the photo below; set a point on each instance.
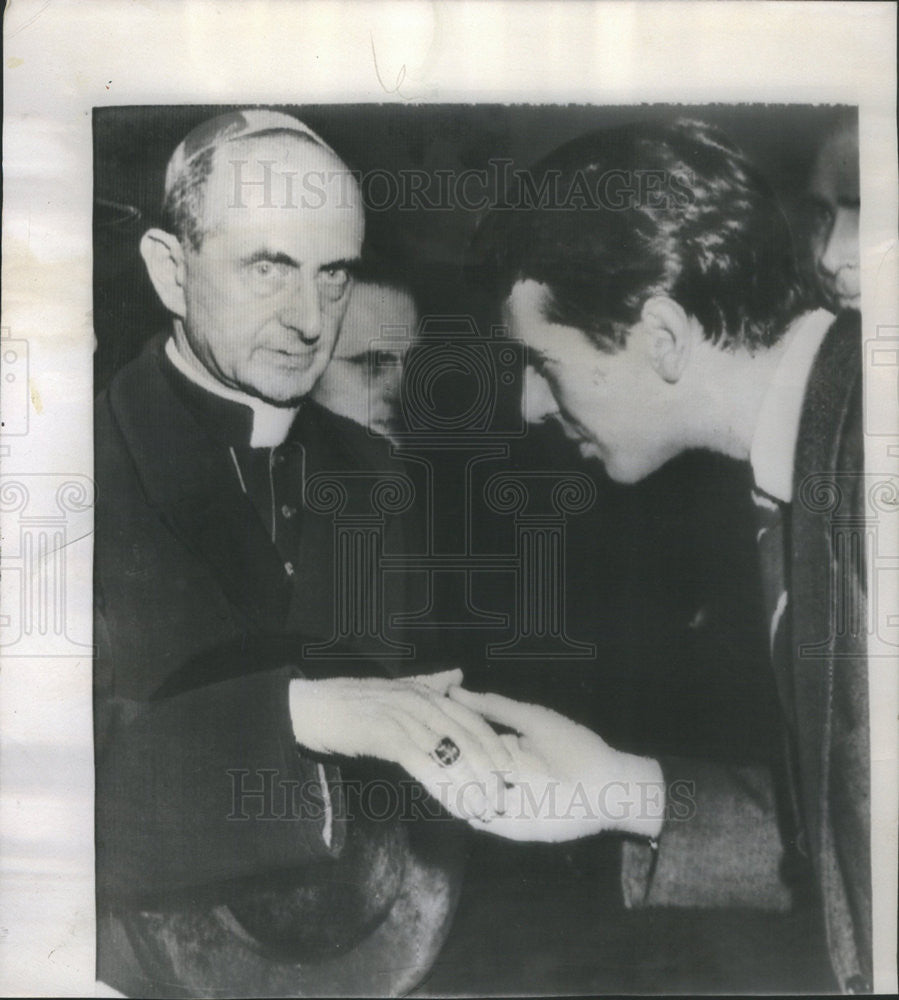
(728, 846)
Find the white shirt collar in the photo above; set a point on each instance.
(773, 447)
(270, 423)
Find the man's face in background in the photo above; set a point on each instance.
(834, 194)
(363, 379)
(266, 290)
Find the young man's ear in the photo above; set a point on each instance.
(164, 258)
(669, 336)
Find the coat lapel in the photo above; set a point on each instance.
(819, 495)
(190, 479)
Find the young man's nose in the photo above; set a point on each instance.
(537, 401)
(391, 383)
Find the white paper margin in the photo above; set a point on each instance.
(63, 57)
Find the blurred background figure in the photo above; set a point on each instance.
(363, 379)
(834, 198)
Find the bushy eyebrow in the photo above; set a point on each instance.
(273, 256)
(279, 257)
(349, 264)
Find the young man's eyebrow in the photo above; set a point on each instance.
(535, 354)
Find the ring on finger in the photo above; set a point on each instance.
(446, 753)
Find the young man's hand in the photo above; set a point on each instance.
(567, 782)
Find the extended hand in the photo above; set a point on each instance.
(405, 721)
(569, 783)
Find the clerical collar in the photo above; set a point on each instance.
(271, 424)
(773, 449)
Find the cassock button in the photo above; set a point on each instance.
(288, 568)
(287, 511)
(857, 984)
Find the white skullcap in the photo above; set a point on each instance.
(228, 127)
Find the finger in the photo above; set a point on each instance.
(429, 775)
(514, 824)
(462, 773)
(454, 787)
(439, 682)
(525, 761)
(479, 745)
(498, 753)
(485, 766)
(506, 711)
(427, 739)
(462, 798)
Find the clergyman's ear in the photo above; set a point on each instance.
(669, 336)
(164, 258)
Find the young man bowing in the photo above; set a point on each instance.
(656, 291)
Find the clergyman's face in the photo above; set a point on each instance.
(834, 192)
(609, 403)
(265, 293)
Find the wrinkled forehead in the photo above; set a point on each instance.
(377, 313)
(836, 174)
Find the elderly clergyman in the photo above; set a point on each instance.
(209, 572)
(672, 318)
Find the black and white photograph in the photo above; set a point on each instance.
(491, 578)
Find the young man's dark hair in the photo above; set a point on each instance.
(647, 209)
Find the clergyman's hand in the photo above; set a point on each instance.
(568, 782)
(411, 722)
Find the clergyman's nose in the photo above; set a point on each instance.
(537, 401)
(302, 313)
